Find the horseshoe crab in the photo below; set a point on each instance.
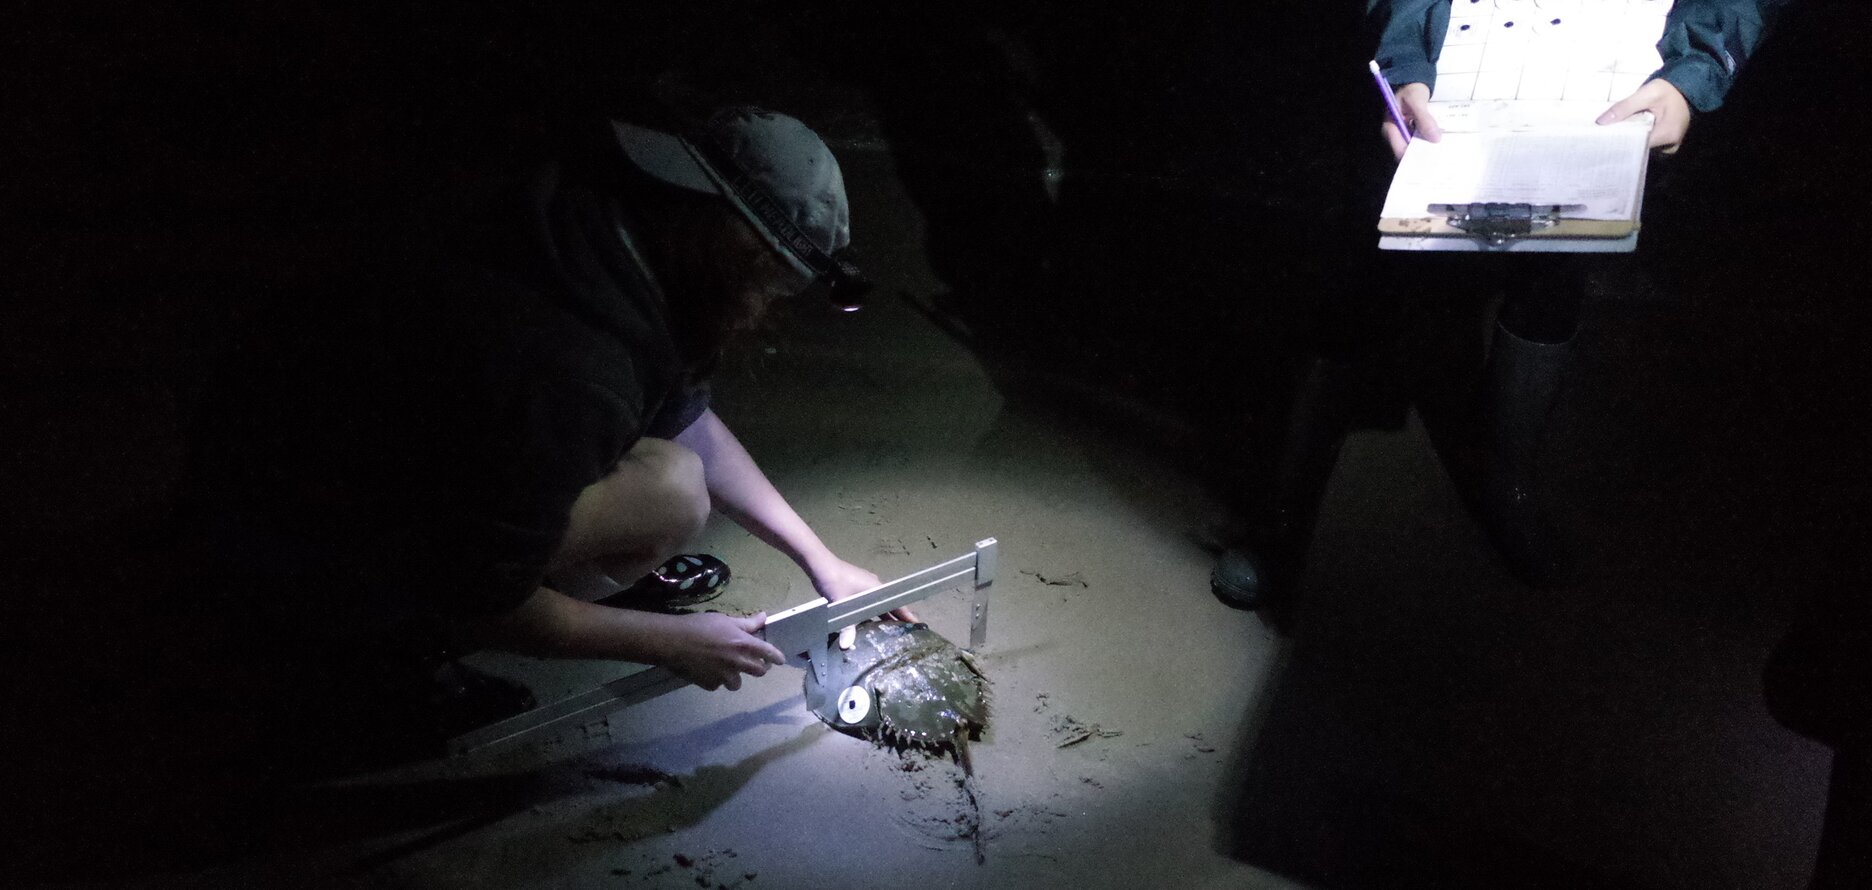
(902, 685)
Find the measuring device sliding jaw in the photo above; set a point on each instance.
(805, 633)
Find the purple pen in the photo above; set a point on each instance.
(1390, 101)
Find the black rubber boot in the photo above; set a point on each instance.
(1520, 388)
(1265, 569)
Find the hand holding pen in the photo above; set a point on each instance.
(1407, 113)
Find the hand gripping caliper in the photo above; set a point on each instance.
(804, 633)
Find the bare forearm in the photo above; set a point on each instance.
(709, 649)
(743, 493)
(784, 531)
(739, 489)
(550, 624)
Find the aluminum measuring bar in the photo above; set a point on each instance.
(796, 632)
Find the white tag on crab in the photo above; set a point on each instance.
(854, 704)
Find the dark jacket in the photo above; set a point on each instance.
(1705, 42)
(413, 452)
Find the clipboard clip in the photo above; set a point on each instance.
(1496, 223)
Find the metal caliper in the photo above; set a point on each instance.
(802, 632)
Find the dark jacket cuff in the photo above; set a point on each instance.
(1401, 73)
(1702, 80)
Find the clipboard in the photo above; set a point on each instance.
(1520, 176)
(1519, 70)
(1496, 223)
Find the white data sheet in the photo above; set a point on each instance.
(1599, 167)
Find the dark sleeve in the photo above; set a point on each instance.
(680, 411)
(1706, 42)
(478, 542)
(1410, 38)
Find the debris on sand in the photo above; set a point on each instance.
(1071, 579)
(863, 514)
(1069, 731)
(891, 547)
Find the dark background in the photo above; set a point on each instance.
(174, 175)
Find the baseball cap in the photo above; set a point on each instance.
(777, 173)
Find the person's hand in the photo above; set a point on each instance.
(1668, 106)
(1414, 100)
(713, 650)
(837, 580)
